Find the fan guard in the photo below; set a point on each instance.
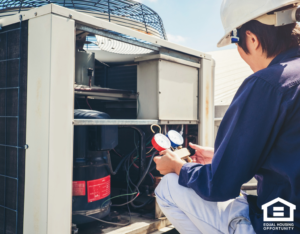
(127, 13)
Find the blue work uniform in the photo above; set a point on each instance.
(259, 137)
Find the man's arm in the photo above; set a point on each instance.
(244, 139)
(171, 163)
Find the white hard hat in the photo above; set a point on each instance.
(235, 13)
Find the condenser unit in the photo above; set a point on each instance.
(78, 94)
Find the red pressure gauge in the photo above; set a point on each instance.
(160, 142)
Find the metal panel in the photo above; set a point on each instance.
(179, 55)
(178, 91)
(178, 122)
(168, 88)
(147, 87)
(206, 103)
(51, 69)
(36, 176)
(92, 122)
(167, 58)
(61, 116)
(34, 13)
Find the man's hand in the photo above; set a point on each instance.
(169, 162)
(203, 155)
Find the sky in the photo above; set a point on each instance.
(191, 23)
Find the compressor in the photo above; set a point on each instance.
(91, 176)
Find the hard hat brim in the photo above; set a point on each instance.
(225, 41)
(231, 25)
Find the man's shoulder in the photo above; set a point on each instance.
(282, 76)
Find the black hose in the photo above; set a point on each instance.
(136, 187)
(152, 168)
(142, 148)
(112, 172)
(141, 180)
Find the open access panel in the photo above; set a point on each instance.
(76, 121)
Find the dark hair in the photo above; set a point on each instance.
(273, 40)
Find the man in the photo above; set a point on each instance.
(259, 135)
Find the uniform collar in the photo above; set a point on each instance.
(291, 53)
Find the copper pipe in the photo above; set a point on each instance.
(186, 133)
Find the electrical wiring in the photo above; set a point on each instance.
(118, 153)
(150, 151)
(151, 176)
(148, 156)
(127, 203)
(122, 195)
(141, 180)
(136, 166)
(104, 221)
(128, 176)
(127, 173)
(152, 168)
(112, 172)
(144, 204)
(127, 160)
(136, 192)
(87, 102)
(128, 207)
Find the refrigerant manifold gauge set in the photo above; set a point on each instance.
(173, 140)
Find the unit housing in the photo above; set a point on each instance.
(174, 88)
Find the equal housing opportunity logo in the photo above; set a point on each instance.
(274, 215)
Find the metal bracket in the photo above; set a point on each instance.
(286, 17)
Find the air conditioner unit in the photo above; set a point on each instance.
(48, 132)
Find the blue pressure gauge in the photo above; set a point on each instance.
(175, 138)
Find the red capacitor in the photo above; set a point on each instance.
(160, 142)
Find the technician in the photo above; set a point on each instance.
(259, 135)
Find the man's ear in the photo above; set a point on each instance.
(252, 41)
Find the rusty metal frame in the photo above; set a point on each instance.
(206, 103)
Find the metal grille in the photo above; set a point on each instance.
(127, 13)
(119, 77)
(13, 77)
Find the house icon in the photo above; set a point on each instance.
(278, 211)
